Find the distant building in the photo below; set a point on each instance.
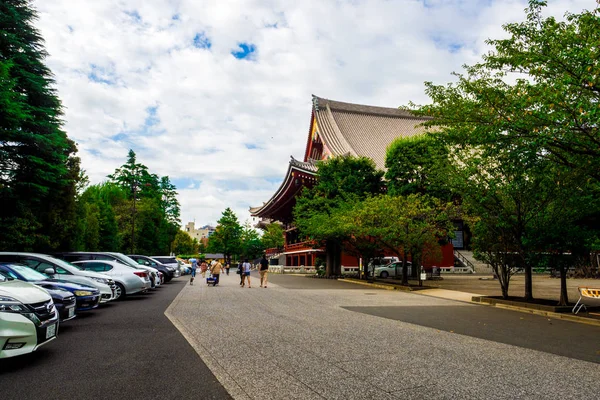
(202, 234)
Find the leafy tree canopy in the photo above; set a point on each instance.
(537, 92)
(417, 164)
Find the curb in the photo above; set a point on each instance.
(377, 285)
(549, 314)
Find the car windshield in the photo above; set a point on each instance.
(28, 274)
(63, 263)
(123, 259)
(165, 260)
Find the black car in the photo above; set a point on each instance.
(168, 272)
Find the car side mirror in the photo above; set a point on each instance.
(49, 271)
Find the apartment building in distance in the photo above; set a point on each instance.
(200, 233)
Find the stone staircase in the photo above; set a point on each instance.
(480, 267)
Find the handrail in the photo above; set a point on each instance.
(463, 259)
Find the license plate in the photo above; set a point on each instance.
(51, 331)
(71, 312)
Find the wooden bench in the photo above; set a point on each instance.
(590, 293)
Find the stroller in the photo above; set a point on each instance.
(210, 280)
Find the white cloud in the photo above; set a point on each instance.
(212, 108)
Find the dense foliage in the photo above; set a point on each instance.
(38, 169)
(134, 212)
(341, 182)
(227, 238)
(522, 130)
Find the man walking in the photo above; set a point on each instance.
(215, 270)
(264, 271)
(194, 264)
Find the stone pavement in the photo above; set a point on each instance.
(293, 342)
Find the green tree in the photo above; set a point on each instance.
(227, 236)
(412, 225)
(273, 237)
(251, 244)
(150, 221)
(417, 164)
(538, 91)
(183, 243)
(340, 182)
(532, 100)
(38, 170)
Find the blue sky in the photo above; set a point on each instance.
(217, 94)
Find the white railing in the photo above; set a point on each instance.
(288, 269)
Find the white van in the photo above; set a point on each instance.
(28, 318)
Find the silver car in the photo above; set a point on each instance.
(129, 280)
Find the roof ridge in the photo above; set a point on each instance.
(320, 102)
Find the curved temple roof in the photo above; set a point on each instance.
(282, 202)
(360, 130)
(343, 128)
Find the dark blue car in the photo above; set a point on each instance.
(86, 297)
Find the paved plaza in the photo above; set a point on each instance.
(308, 338)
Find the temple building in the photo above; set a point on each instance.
(336, 128)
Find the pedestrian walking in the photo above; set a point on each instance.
(246, 266)
(264, 271)
(215, 270)
(203, 268)
(194, 264)
(240, 272)
(227, 266)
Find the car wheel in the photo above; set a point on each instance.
(384, 274)
(121, 294)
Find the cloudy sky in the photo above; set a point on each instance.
(216, 94)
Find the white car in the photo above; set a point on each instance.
(389, 270)
(123, 259)
(28, 318)
(128, 280)
(59, 269)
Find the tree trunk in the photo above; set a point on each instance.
(329, 258)
(404, 271)
(564, 297)
(528, 283)
(337, 259)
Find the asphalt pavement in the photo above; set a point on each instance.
(127, 349)
(305, 338)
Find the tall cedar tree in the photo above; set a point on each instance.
(149, 220)
(38, 172)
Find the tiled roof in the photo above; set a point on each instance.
(307, 166)
(360, 130)
(282, 195)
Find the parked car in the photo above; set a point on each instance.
(172, 262)
(389, 270)
(111, 256)
(28, 317)
(168, 271)
(85, 297)
(60, 269)
(128, 280)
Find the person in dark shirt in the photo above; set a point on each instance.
(264, 271)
